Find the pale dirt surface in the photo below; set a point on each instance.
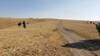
(72, 38)
(45, 38)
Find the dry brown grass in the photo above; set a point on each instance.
(40, 38)
(82, 28)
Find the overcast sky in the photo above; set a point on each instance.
(69, 9)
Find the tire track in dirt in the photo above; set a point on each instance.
(71, 37)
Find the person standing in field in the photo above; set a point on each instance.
(19, 24)
(24, 24)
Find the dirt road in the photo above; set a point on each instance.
(72, 37)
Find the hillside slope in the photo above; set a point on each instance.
(49, 38)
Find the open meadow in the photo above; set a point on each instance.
(48, 37)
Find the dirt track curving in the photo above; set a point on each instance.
(71, 37)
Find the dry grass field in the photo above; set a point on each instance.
(45, 37)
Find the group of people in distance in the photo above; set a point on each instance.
(22, 24)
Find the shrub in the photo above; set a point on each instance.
(98, 27)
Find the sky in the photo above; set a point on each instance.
(62, 9)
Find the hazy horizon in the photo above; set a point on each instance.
(64, 9)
